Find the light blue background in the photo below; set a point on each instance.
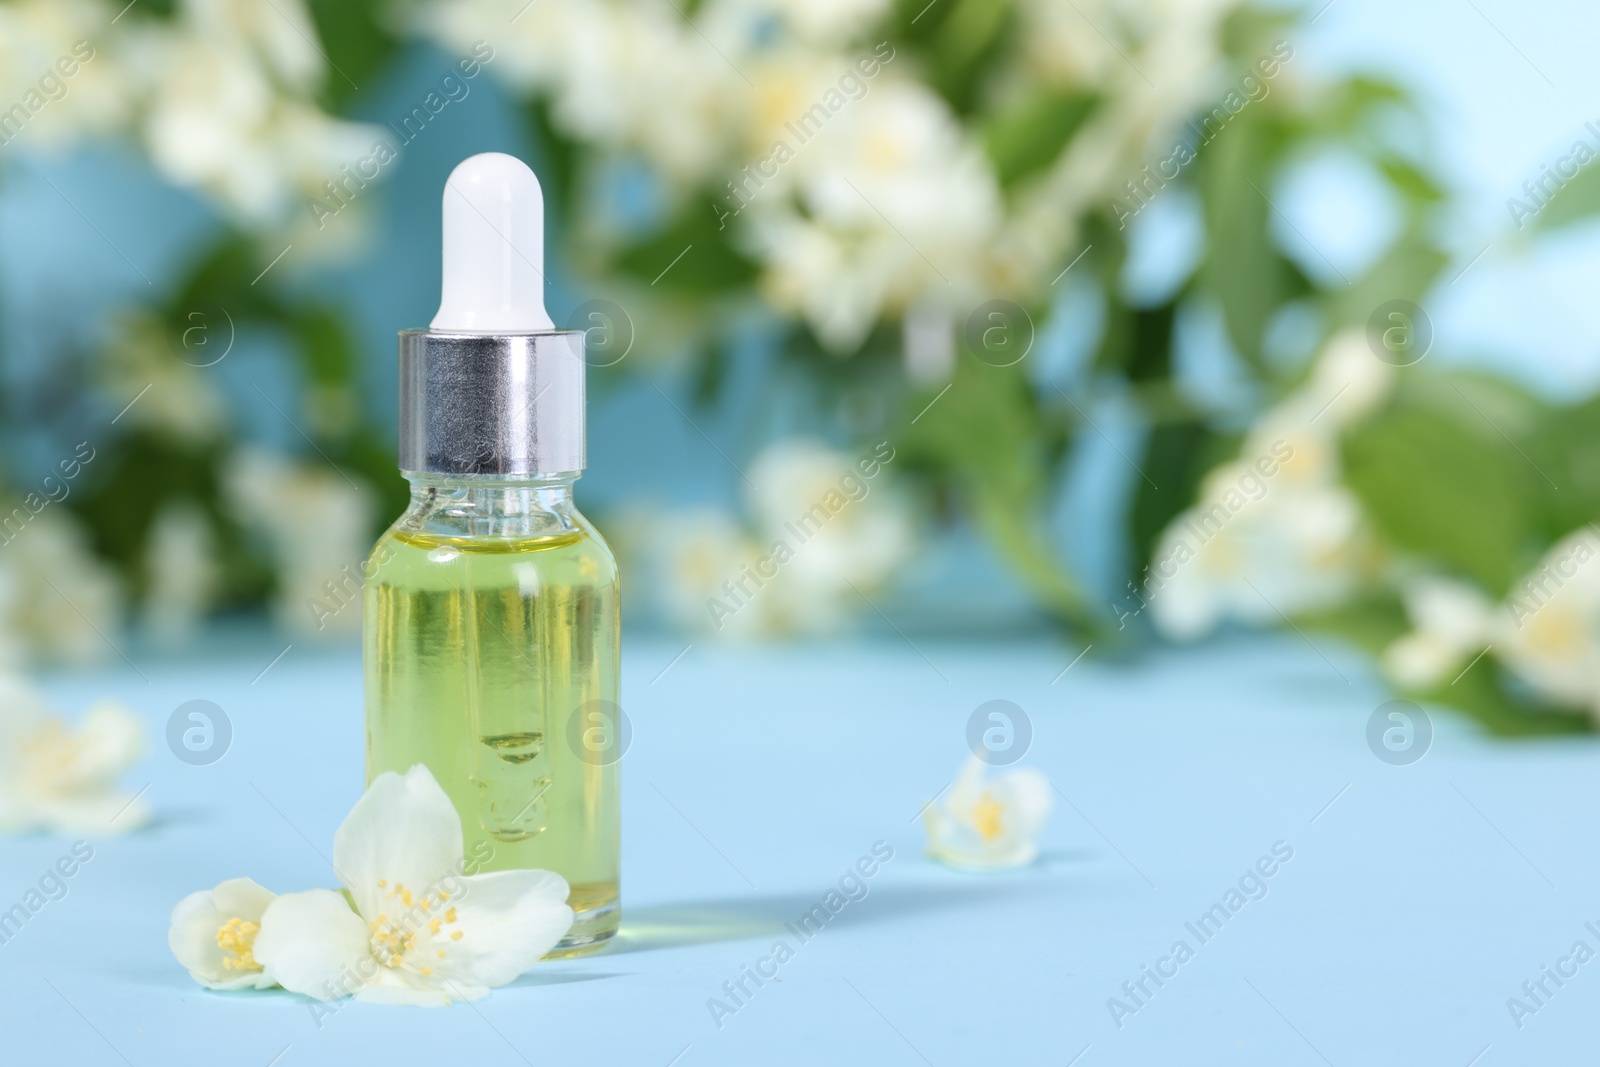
(1416, 903)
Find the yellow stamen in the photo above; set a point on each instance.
(986, 817)
(237, 938)
(455, 935)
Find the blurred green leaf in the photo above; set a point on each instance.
(1410, 180)
(691, 256)
(1442, 483)
(1488, 693)
(1484, 691)
(963, 44)
(1576, 201)
(1138, 341)
(353, 35)
(326, 350)
(1243, 268)
(1406, 271)
(559, 160)
(144, 473)
(972, 26)
(1563, 455)
(987, 432)
(224, 275)
(1029, 137)
(1176, 457)
(1371, 622)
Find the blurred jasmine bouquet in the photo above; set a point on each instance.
(996, 236)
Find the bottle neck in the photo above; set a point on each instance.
(490, 505)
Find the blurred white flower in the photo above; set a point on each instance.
(180, 573)
(609, 67)
(58, 601)
(846, 531)
(530, 40)
(62, 778)
(173, 397)
(827, 529)
(1548, 630)
(319, 527)
(989, 822)
(229, 107)
(893, 199)
(279, 34)
(51, 66)
(1451, 621)
(821, 21)
(213, 934)
(222, 93)
(928, 343)
(1160, 46)
(1286, 554)
(1274, 533)
(695, 555)
(1150, 64)
(1347, 382)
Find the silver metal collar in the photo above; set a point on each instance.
(492, 403)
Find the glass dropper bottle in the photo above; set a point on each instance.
(491, 617)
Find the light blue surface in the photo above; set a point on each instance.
(1414, 905)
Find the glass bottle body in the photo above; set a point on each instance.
(491, 648)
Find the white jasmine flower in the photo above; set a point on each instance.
(844, 530)
(530, 41)
(217, 121)
(61, 778)
(1548, 631)
(1274, 533)
(1451, 621)
(1287, 552)
(928, 344)
(319, 527)
(181, 572)
(226, 95)
(821, 21)
(607, 67)
(695, 555)
(620, 64)
(282, 34)
(58, 601)
(1347, 382)
(177, 398)
(893, 200)
(421, 932)
(1152, 64)
(989, 822)
(213, 934)
(40, 40)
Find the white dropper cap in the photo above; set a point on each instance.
(493, 248)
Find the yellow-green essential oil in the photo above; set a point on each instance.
(493, 660)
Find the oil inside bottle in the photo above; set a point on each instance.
(481, 651)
